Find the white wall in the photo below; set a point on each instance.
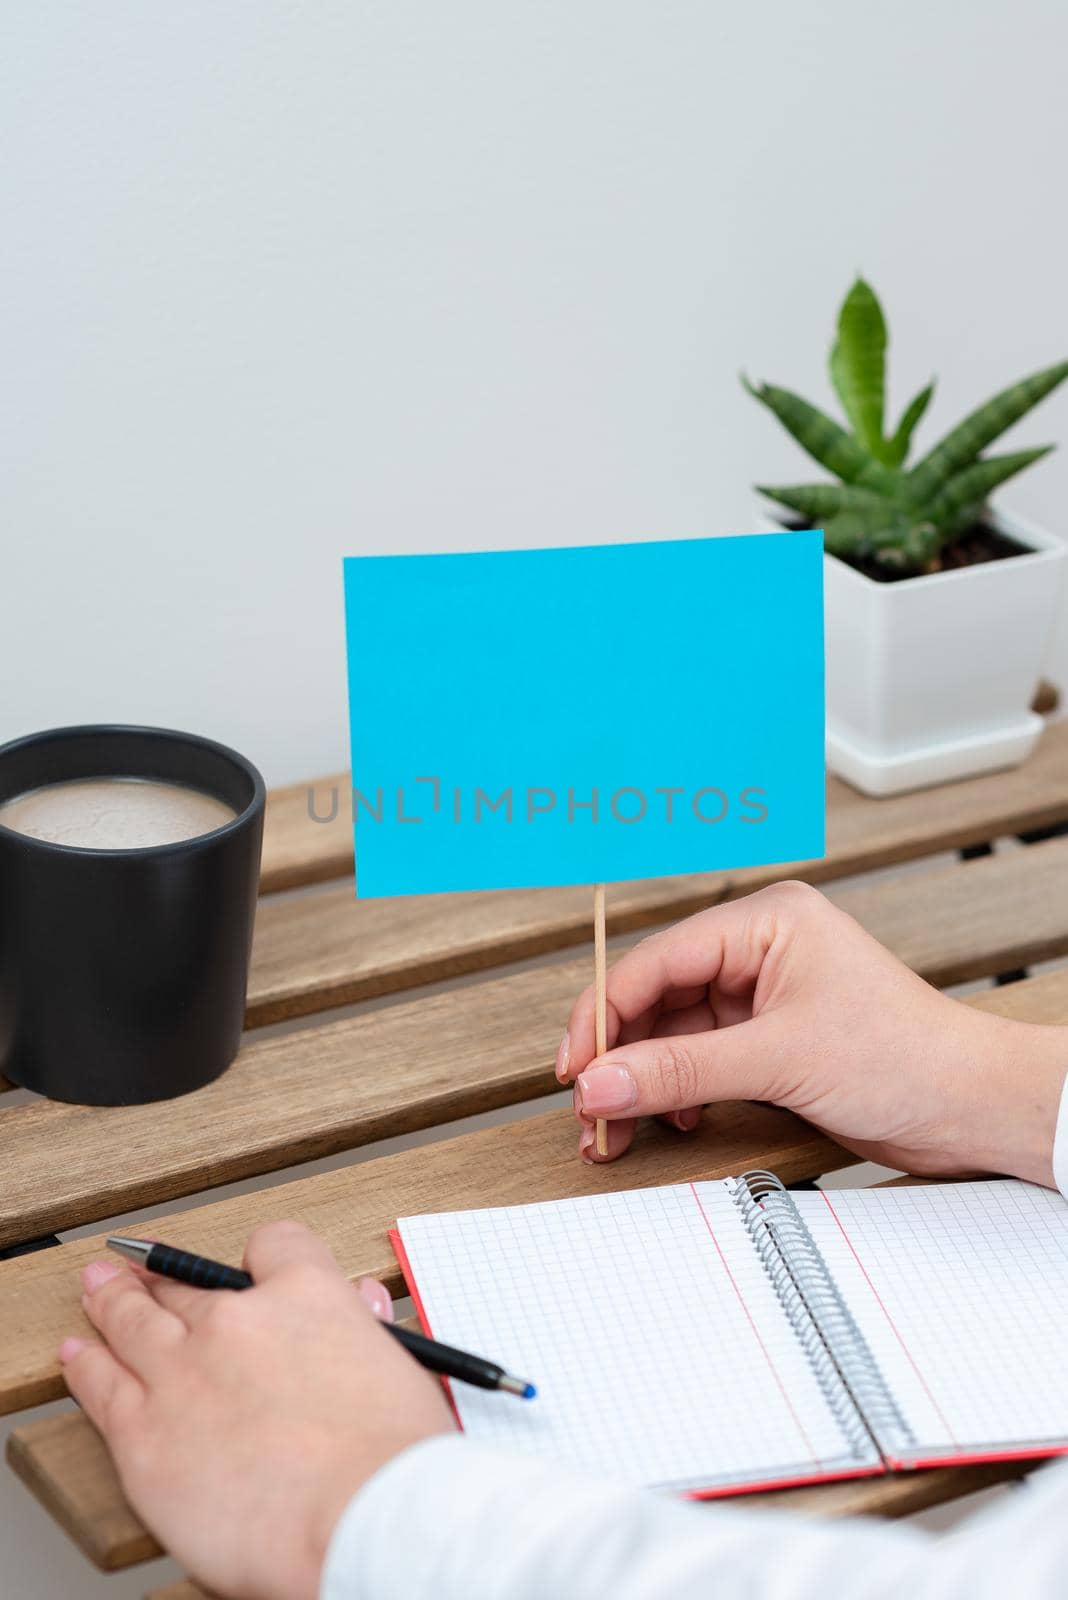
(284, 281)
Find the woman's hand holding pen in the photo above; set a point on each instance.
(783, 997)
(264, 1410)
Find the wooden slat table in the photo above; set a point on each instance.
(322, 1086)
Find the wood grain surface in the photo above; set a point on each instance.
(307, 833)
(291, 1098)
(896, 1495)
(972, 919)
(346, 950)
(536, 1159)
(65, 1463)
(1043, 999)
(317, 1091)
(326, 948)
(363, 951)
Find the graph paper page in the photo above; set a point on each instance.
(961, 1291)
(660, 1352)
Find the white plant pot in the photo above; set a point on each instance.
(931, 678)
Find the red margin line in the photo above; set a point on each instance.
(892, 1324)
(756, 1332)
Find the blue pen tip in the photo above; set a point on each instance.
(529, 1392)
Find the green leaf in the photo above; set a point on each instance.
(973, 484)
(825, 440)
(894, 541)
(897, 448)
(822, 499)
(858, 365)
(960, 522)
(859, 532)
(914, 551)
(961, 447)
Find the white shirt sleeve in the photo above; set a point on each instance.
(452, 1520)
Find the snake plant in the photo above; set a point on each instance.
(881, 511)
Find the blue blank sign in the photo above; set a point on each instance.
(561, 716)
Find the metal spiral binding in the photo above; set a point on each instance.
(844, 1366)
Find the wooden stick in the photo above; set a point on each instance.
(600, 966)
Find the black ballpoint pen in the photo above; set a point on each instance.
(201, 1273)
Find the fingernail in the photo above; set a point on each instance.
(377, 1296)
(687, 1120)
(563, 1058)
(97, 1273)
(69, 1349)
(602, 1090)
(586, 1142)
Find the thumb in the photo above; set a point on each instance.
(650, 1076)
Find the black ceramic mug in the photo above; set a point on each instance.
(123, 971)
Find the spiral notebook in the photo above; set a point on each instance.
(711, 1338)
